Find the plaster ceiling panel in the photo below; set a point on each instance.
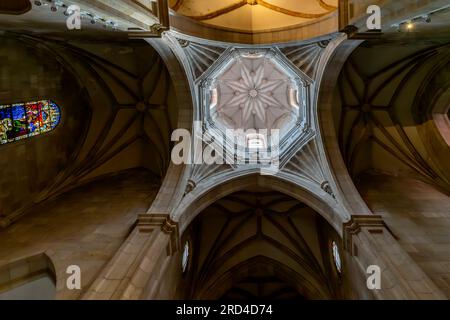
(254, 15)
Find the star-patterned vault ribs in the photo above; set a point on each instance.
(253, 94)
(259, 96)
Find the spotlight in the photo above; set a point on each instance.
(409, 25)
(68, 12)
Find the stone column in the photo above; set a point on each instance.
(136, 270)
(370, 242)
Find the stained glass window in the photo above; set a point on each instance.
(336, 257)
(24, 120)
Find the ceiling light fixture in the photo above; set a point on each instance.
(410, 23)
(56, 4)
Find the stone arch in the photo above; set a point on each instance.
(325, 99)
(237, 237)
(203, 196)
(176, 177)
(269, 266)
(441, 116)
(432, 109)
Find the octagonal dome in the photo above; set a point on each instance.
(252, 92)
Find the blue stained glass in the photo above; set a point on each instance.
(55, 114)
(19, 121)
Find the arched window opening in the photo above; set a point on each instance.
(336, 257)
(185, 257)
(25, 120)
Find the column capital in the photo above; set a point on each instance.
(149, 222)
(374, 223)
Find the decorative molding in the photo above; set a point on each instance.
(200, 56)
(202, 171)
(327, 188)
(306, 57)
(148, 223)
(356, 223)
(190, 186)
(241, 3)
(306, 162)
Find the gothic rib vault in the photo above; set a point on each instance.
(362, 173)
(253, 15)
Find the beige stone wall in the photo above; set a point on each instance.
(419, 217)
(84, 227)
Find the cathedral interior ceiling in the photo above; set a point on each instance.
(303, 161)
(253, 236)
(141, 117)
(253, 15)
(229, 236)
(129, 93)
(384, 123)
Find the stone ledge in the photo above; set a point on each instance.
(375, 224)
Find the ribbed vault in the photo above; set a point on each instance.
(386, 121)
(253, 15)
(259, 244)
(132, 104)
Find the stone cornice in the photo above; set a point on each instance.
(150, 222)
(373, 222)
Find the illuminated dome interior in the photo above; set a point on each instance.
(253, 93)
(254, 15)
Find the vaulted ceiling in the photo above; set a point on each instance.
(131, 112)
(386, 120)
(259, 244)
(254, 15)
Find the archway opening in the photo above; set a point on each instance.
(261, 244)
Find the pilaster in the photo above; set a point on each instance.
(136, 270)
(370, 242)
